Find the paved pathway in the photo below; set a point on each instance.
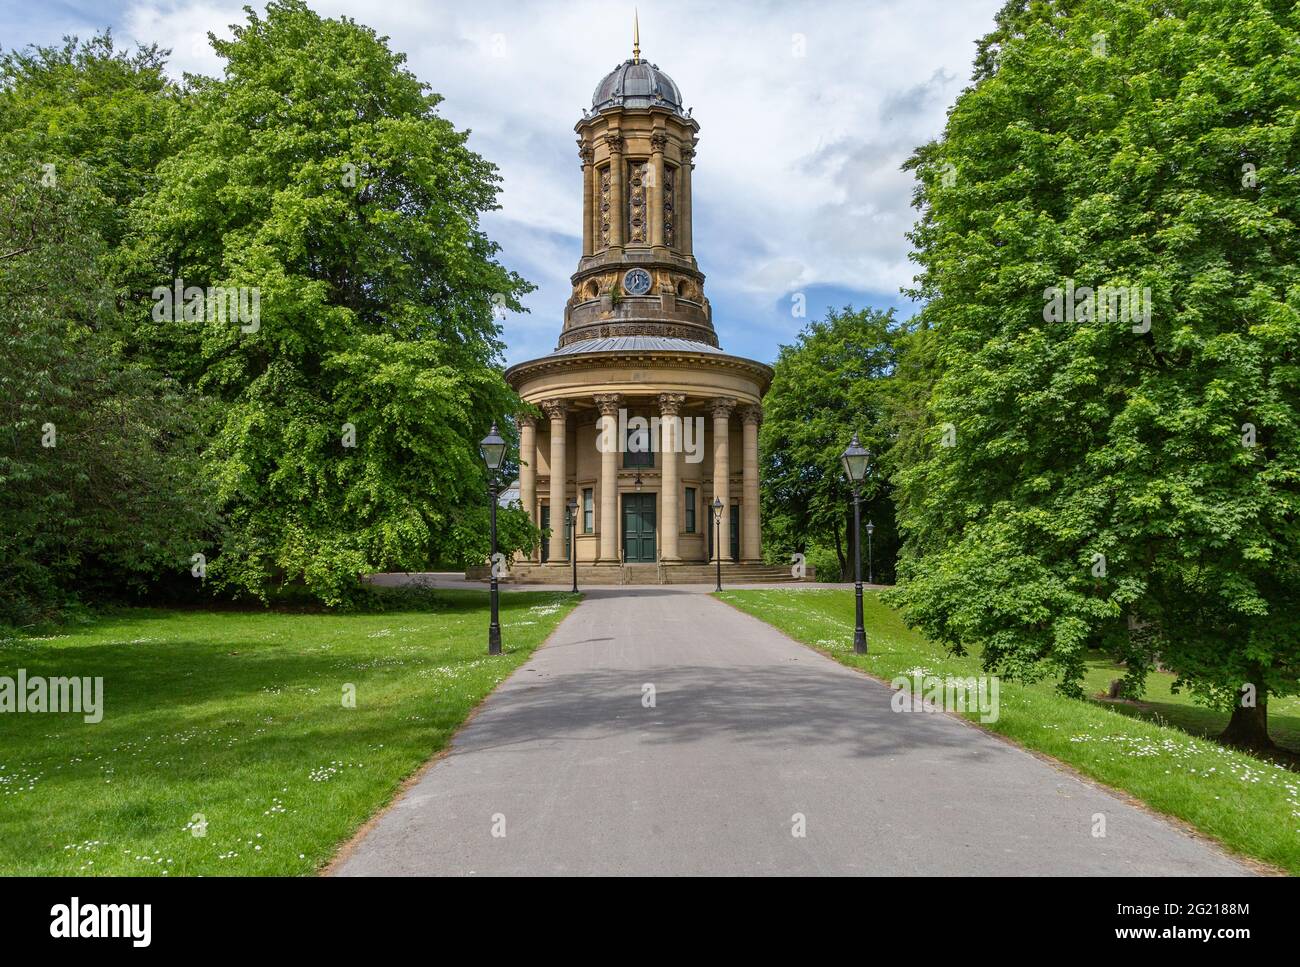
(749, 729)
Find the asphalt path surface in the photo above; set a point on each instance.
(756, 756)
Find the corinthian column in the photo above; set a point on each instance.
(588, 198)
(556, 410)
(528, 465)
(685, 243)
(750, 529)
(619, 214)
(670, 407)
(658, 141)
(607, 441)
(722, 407)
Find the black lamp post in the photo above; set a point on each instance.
(573, 541)
(717, 537)
(493, 450)
(871, 529)
(856, 459)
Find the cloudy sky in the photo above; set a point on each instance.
(806, 112)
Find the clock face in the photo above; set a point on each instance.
(637, 281)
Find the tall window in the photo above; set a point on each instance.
(690, 510)
(670, 237)
(638, 203)
(603, 208)
(586, 511)
(637, 450)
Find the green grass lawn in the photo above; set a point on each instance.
(1249, 805)
(233, 724)
(1160, 704)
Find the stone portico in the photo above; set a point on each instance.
(638, 363)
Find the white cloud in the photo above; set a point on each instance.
(183, 27)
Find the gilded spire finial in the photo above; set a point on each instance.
(636, 37)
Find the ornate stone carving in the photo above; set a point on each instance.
(638, 210)
(527, 419)
(722, 407)
(751, 415)
(615, 143)
(658, 141)
(586, 153)
(670, 404)
(688, 156)
(555, 409)
(608, 403)
(669, 185)
(605, 185)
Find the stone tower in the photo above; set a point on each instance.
(638, 344)
(637, 275)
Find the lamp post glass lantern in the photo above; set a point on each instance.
(573, 541)
(717, 537)
(856, 459)
(492, 448)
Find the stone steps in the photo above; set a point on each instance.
(609, 574)
(731, 573)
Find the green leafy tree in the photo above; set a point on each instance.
(318, 175)
(831, 382)
(100, 480)
(1115, 481)
(89, 102)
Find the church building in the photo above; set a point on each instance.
(644, 418)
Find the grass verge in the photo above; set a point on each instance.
(233, 725)
(1249, 805)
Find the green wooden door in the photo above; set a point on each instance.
(546, 541)
(639, 528)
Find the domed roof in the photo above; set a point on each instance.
(628, 344)
(637, 83)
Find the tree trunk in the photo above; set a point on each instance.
(1248, 727)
